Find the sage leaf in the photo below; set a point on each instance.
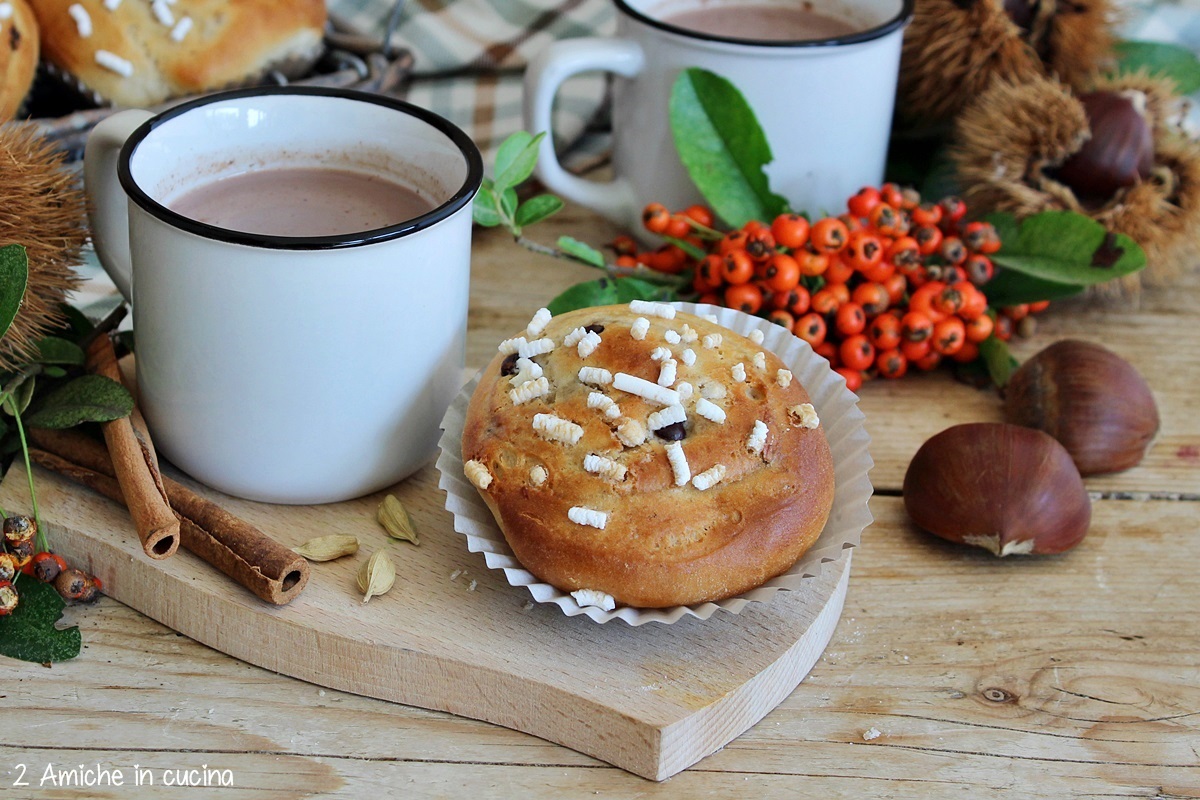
(999, 360)
(580, 252)
(53, 350)
(29, 633)
(18, 400)
(1160, 59)
(1064, 247)
(536, 209)
(90, 398)
(516, 158)
(722, 146)
(14, 275)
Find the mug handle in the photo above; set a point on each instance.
(108, 206)
(543, 77)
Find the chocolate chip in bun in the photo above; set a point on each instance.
(18, 55)
(640, 456)
(141, 52)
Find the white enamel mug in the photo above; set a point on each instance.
(824, 104)
(289, 369)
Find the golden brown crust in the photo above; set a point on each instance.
(18, 57)
(663, 545)
(228, 44)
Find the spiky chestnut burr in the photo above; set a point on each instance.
(44, 211)
(1011, 144)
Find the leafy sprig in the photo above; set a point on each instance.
(50, 391)
(498, 204)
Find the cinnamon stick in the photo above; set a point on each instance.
(136, 465)
(232, 545)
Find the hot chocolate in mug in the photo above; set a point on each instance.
(824, 101)
(298, 261)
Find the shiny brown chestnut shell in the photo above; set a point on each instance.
(1088, 398)
(1008, 489)
(1120, 150)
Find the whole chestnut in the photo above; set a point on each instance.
(1088, 398)
(1120, 150)
(1007, 489)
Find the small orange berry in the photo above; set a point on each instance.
(850, 319)
(891, 363)
(782, 273)
(701, 215)
(884, 331)
(744, 297)
(829, 235)
(656, 218)
(737, 267)
(811, 328)
(790, 231)
(854, 378)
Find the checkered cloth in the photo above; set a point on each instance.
(470, 57)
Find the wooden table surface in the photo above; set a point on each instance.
(951, 674)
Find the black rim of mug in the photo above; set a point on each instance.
(870, 34)
(460, 198)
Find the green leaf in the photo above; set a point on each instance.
(14, 275)
(516, 159)
(723, 147)
(581, 252)
(54, 372)
(53, 350)
(485, 210)
(29, 634)
(508, 203)
(1006, 225)
(1158, 58)
(91, 398)
(18, 401)
(1000, 362)
(78, 322)
(606, 292)
(536, 209)
(637, 289)
(1010, 288)
(1068, 248)
(601, 292)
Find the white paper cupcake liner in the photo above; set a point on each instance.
(841, 420)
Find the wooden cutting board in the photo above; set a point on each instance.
(453, 635)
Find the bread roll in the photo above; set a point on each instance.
(142, 52)
(18, 55)
(596, 487)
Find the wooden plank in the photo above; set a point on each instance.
(455, 636)
(1053, 677)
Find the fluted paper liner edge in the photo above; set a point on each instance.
(841, 420)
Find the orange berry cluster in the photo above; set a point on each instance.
(18, 554)
(893, 283)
